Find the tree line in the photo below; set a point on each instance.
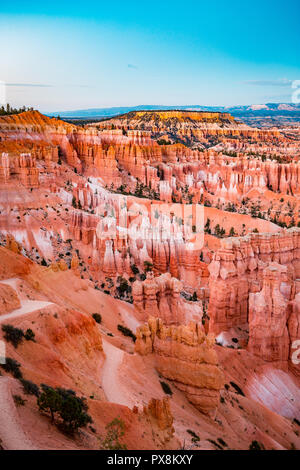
(8, 109)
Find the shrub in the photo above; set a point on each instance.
(13, 335)
(255, 445)
(215, 444)
(164, 142)
(127, 332)
(19, 400)
(73, 413)
(166, 387)
(13, 367)
(148, 266)
(115, 430)
(49, 401)
(237, 388)
(222, 442)
(123, 287)
(30, 388)
(97, 317)
(64, 403)
(134, 269)
(195, 437)
(29, 335)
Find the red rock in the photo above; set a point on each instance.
(185, 355)
(268, 333)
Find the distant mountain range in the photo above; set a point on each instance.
(256, 110)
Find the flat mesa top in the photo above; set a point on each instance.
(182, 114)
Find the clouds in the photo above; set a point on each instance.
(32, 85)
(282, 82)
(42, 85)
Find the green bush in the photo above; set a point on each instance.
(222, 442)
(134, 269)
(29, 335)
(62, 403)
(13, 335)
(97, 317)
(123, 287)
(30, 388)
(49, 401)
(237, 388)
(115, 430)
(127, 332)
(12, 367)
(215, 444)
(19, 400)
(166, 387)
(73, 413)
(195, 437)
(148, 266)
(255, 445)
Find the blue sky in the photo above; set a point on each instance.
(71, 55)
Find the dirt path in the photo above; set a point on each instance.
(11, 432)
(111, 384)
(27, 306)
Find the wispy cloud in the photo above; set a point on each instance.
(34, 85)
(279, 82)
(279, 98)
(132, 66)
(43, 85)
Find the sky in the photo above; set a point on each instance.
(75, 55)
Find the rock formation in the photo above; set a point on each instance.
(160, 297)
(237, 270)
(268, 332)
(185, 355)
(8, 299)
